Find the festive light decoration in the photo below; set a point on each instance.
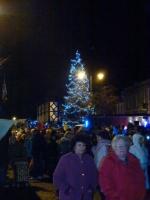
(32, 123)
(77, 101)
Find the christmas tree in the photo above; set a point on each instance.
(77, 101)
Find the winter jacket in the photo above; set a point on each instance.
(141, 153)
(100, 151)
(121, 181)
(75, 178)
(64, 146)
(17, 152)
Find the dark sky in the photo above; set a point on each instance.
(42, 36)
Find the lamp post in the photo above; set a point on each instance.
(100, 77)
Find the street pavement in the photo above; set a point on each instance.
(37, 190)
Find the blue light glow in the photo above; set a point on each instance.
(46, 125)
(145, 123)
(148, 137)
(86, 123)
(32, 123)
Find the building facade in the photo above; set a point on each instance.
(135, 99)
(49, 112)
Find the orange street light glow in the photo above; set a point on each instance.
(100, 76)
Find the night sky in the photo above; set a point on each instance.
(40, 38)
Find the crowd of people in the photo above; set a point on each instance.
(81, 163)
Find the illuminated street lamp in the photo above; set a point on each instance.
(100, 76)
(82, 75)
(14, 118)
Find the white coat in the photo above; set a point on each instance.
(100, 151)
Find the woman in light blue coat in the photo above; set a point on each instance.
(140, 151)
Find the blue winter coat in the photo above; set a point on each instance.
(75, 178)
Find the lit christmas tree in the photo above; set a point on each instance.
(77, 102)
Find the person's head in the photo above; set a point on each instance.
(48, 133)
(120, 145)
(79, 144)
(26, 130)
(138, 139)
(102, 135)
(19, 136)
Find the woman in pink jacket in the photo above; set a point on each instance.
(120, 174)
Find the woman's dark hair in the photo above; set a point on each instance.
(80, 138)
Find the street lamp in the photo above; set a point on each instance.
(14, 118)
(82, 75)
(100, 77)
